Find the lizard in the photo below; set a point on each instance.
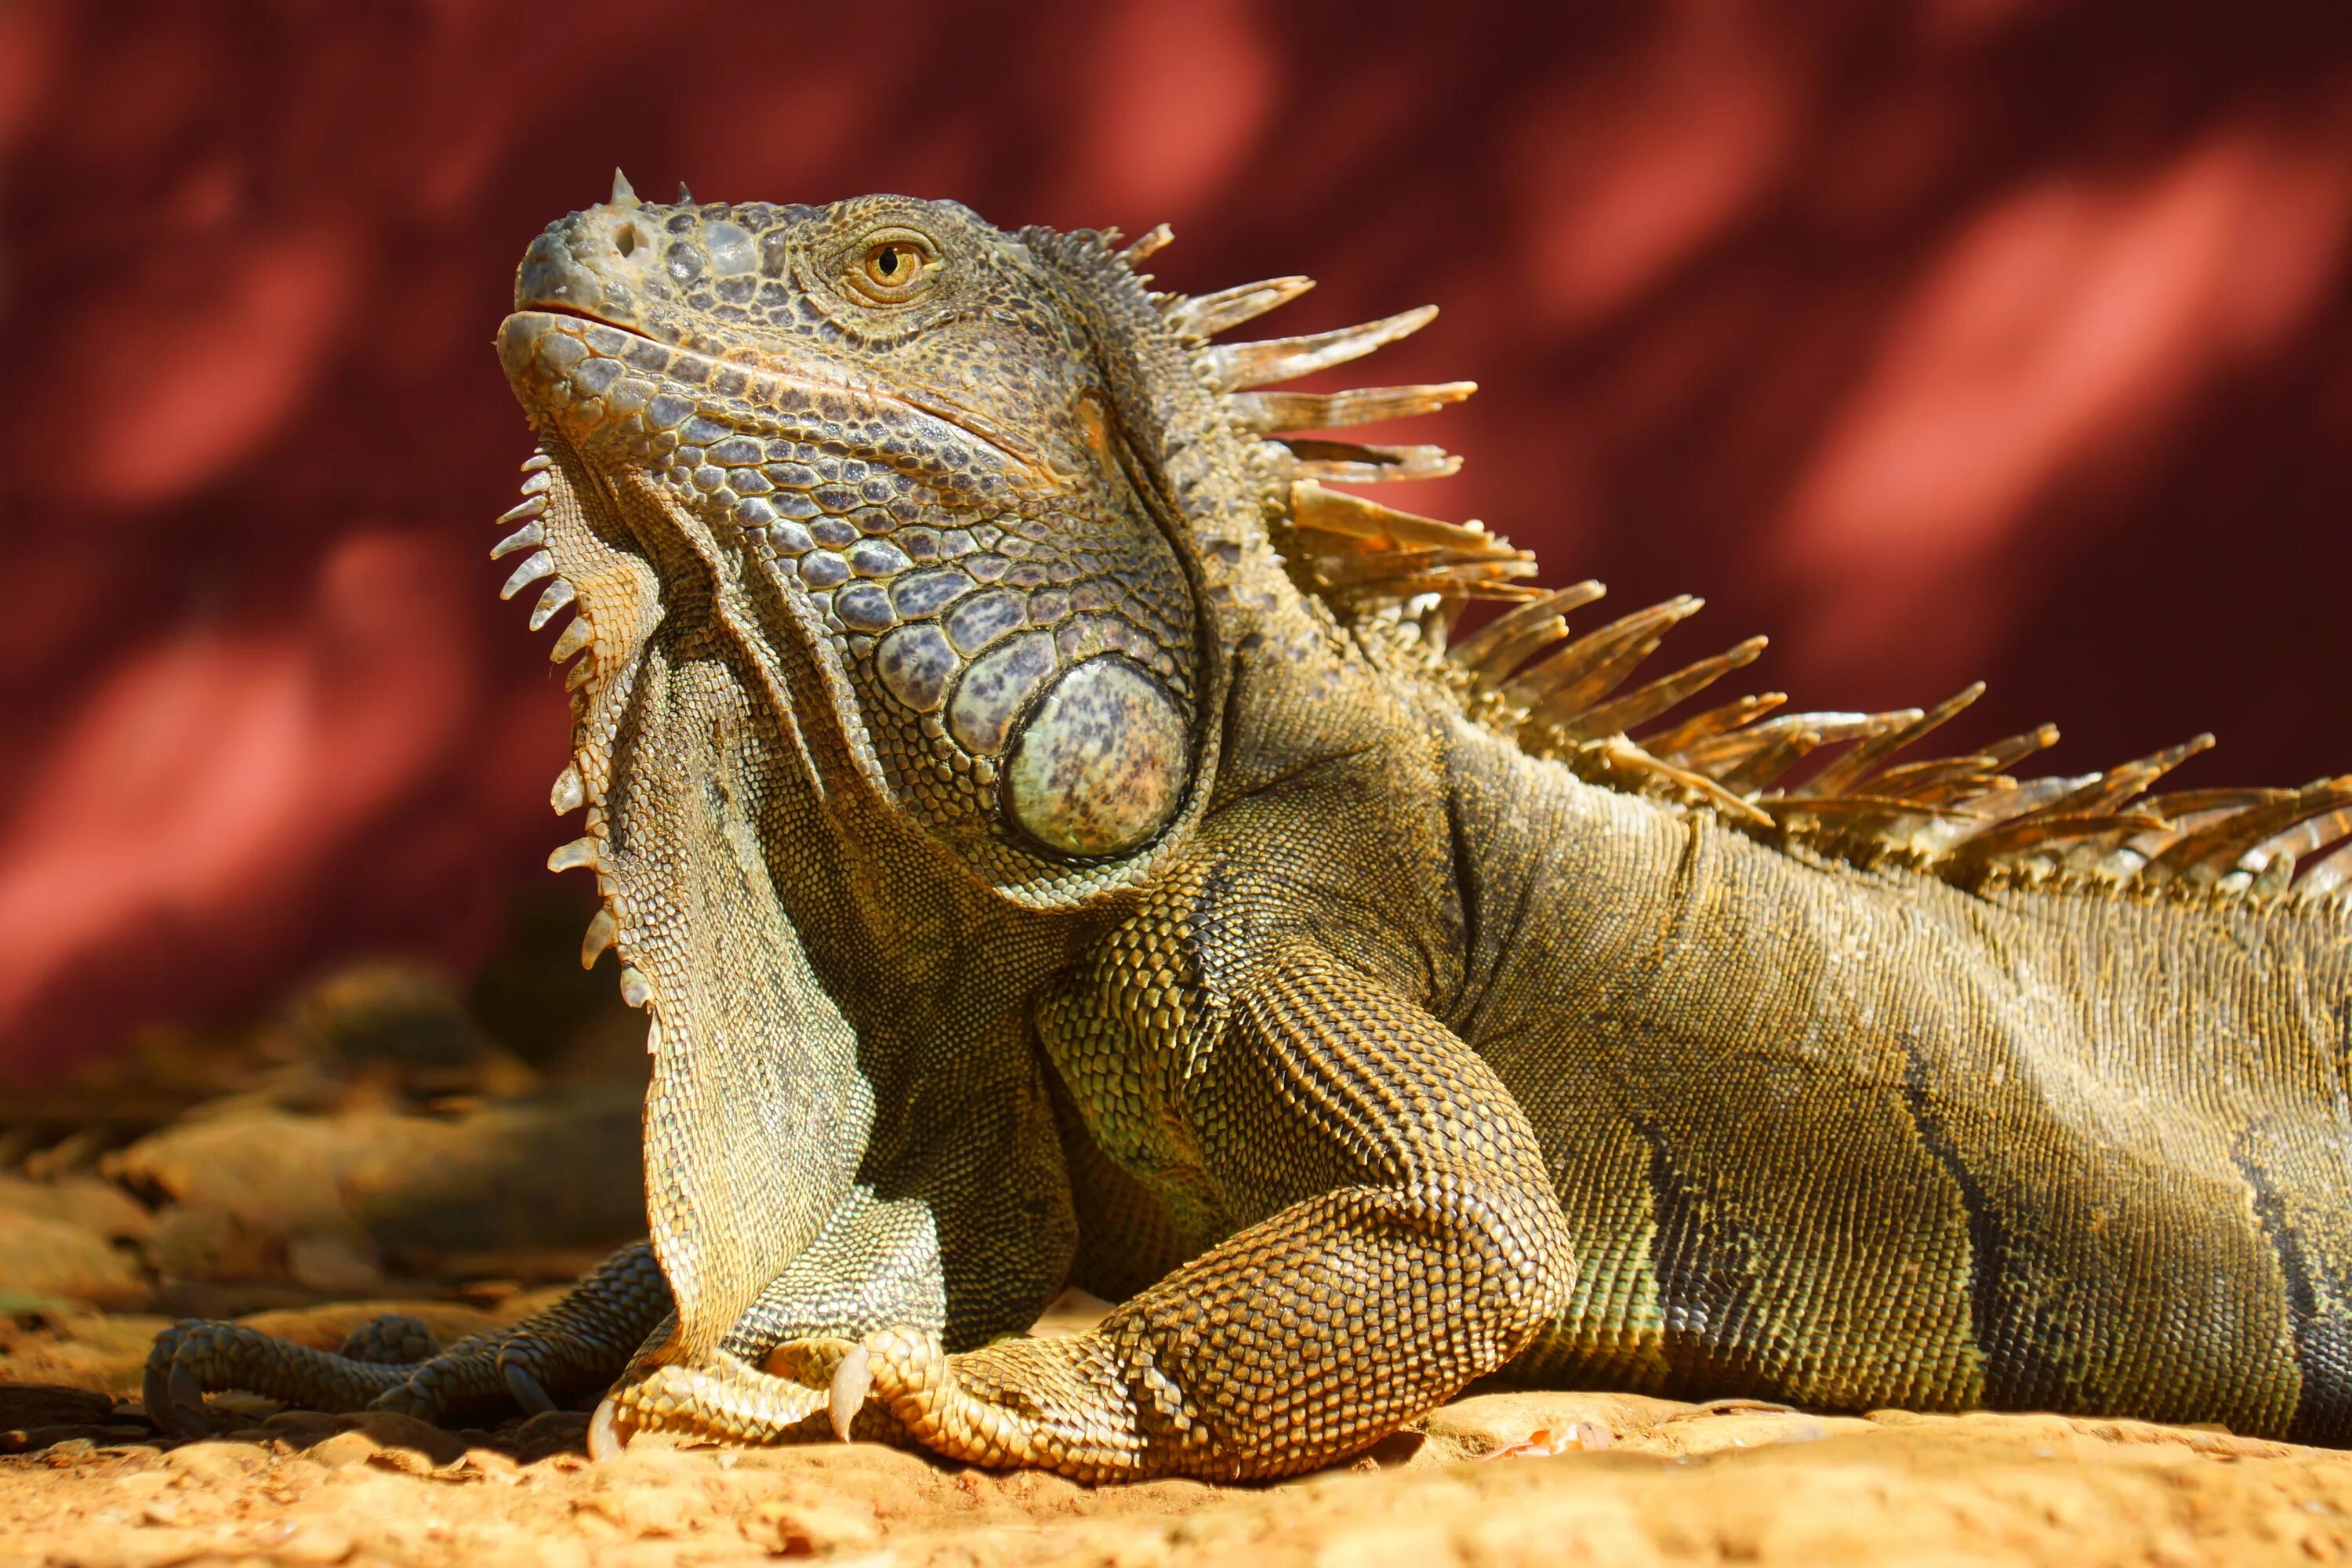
(1057, 835)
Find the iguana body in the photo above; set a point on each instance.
(1054, 841)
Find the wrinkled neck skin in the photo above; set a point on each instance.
(826, 974)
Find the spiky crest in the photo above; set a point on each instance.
(1402, 580)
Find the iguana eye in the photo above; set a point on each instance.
(894, 269)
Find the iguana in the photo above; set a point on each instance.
(1055, 838)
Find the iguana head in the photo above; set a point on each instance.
(893, 449)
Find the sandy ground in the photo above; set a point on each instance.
(1669, 1483)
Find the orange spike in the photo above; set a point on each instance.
(1644, 703)
(1483, 648)
(1145, 244)
(1675, 742)
(1267, 412)
(1235, 365)
(1337, 512)
(1590, 667)
(1840, 776)
(1348, 463)
(1206, 315)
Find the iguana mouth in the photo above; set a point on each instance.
(716, 379)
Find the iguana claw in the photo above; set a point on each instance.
(185, 1402)
(526, 1389)
(606, 1439)
(851, 1380)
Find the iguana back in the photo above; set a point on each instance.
(1857, 1139)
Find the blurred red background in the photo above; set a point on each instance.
(1937, 338)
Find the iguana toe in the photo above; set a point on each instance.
(466, 1372)
(184, 1403)
(194, 1358)
(1058, 1404)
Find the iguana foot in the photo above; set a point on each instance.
(193, 1358)
(578, 1345)
(1063, 1405)
(725, 1399)
(391, 1362)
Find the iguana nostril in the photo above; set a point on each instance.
(625, 242)
(546, 275)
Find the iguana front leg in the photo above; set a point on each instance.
(1400, 1236)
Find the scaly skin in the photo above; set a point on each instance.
(1032, 876)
